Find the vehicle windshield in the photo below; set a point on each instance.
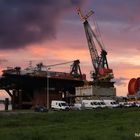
(95, 103)
(92, 103)
(113, 103)
(102, 103)
(63, 104)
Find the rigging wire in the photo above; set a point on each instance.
(97, 30)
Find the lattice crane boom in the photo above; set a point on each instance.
(100, 63)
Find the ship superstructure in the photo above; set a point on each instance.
(34, 85)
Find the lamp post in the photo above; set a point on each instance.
(48, 101)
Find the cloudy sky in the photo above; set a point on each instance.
(51, 31)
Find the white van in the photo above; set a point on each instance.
(100, 103)
(77, 106)
(59, 105)
(125, 104)
(91, 104)
(111, 103)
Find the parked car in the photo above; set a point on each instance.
(111, 103)
(130, 104)
(127, 104)
(92, 104)
(137, 104)
(122, 104)
(88, 104)
(76, 106)
(59, 105)
(100, 103)
(39, 108)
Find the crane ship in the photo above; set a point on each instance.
(102, 84)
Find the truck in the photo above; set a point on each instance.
(59, 105)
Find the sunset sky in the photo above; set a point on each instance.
(51, 31)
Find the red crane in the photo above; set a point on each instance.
(102, 72)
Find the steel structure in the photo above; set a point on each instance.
(35, 85)
(102, 72)
(75, 69)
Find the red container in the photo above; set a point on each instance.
(133, 86)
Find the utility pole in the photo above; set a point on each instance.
(48, 101)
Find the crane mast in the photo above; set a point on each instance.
(101, 73)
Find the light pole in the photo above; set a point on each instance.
(48, 101)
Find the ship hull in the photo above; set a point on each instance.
(28, 91)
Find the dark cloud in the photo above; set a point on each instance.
(121, 81)
(117, 10)
(23, 22)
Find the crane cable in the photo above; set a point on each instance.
(59, 64)
(97, 30)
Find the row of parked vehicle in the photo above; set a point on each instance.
(86, 104)
(91, 104)
(129, 104)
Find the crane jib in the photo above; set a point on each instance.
(99, 62)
